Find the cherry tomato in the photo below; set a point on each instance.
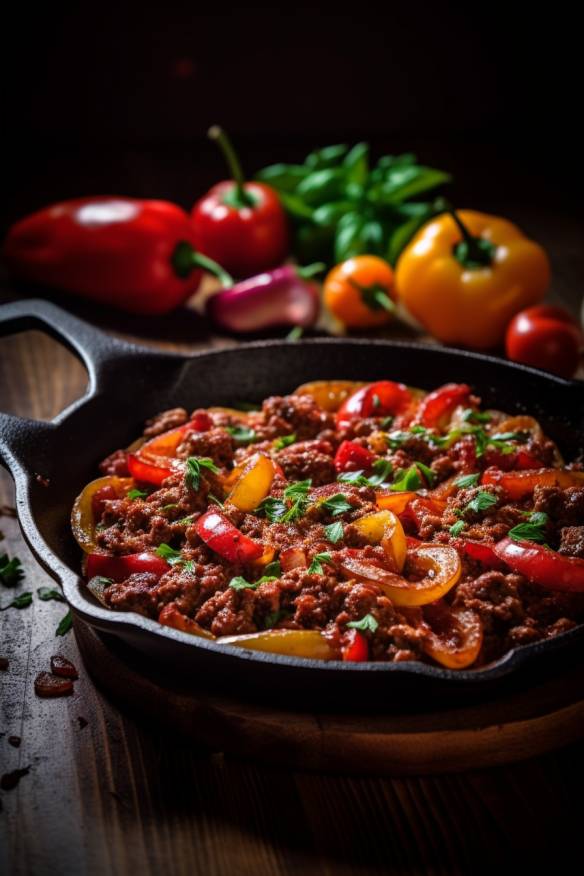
(357, 651)
(545, 337)
(359, 292)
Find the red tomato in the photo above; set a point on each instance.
(545, 337)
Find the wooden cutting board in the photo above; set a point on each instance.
(515, 727)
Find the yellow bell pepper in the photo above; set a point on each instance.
(466, 274)
(383, 527)
(253, 484)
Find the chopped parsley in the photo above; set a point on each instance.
(48, 593)
(337, 504)
(11, 572)
(242, 434)
(382, 468)
(290, 507)
(64, 625)
(457, 527)
(386, 423)
(411, 478)
(472, 416)
(23, 600)
(481, 502)
(334, 532)
(193, 470)
(273, 569)
(469, 480)
(240, 583)
(366, 624)
(284, 441)
(315, 567)
(169, 554)
(136, 494)
(533, 530)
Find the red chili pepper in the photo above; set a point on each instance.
(353, 457)
(135, 255)
(437, 407)
(120, 568)
(149, 472)
(226, 540)
(376, 400)
(104, 494)
(542, 565)
(357, 651)
(240, 224)
(482, 552)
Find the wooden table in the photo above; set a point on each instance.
(105, 793)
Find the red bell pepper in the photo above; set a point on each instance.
(240, 224)
(542, 565)
(375, 400)
(437, 407)
(519, 484)
(120, 568)
(353, 457)
(226, 540)
(132, 254)
(357, 651)
(104, 494)
(154, 471)
(482, 552)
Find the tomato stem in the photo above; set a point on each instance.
(218, 135)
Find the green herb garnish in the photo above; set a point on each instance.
(284, 441)
(337, 504)
(295, 333)
(240, 583)
(23, 600)
(65, 624)
(533, 530)
(212, 498)
(273, 569)
(11, 572)
(136, 494)
(410, 478)
(457, 527)
(471, 416)
(334, 532)
(481, 502)
(469, 480)
(169, 554)
(49, 593)
(193, 470)
(382, 468)
(242, 434)
(278, 510)
(366, 624)
(315, 567)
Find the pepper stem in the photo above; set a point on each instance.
(218, 135)
(471, 251)
(185, 259)
(309, 271)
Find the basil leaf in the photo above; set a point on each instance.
(407, 479)
(482, 502)
(194, 465)
(356, 164)
(283, 177)
(337, 504)
(242, 434)
(348, 240)
(470, 480)
(169, 554)
(534, 530)
(457, 527)
(11, 572)
(240, 583)
(328, 156)
(334, 532)
(328, 215)
(366, 624)
(295, 206)
(401, 236)
(136, 494)
(49, 593)
(65, 624)
(274, 509)
(403, 182)
(298, 488)
(273, 569)
(321, 187)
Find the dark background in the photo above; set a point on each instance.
(106, 100)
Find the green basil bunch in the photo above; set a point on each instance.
(340, 207)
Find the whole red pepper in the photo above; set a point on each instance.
(240, 224)
(132, 254)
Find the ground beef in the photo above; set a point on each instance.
(565, 507)
(572, 541)
(308, 459)
(115, 464)
(166, 420)
(217, 444)
(137, 593)
(300, 414)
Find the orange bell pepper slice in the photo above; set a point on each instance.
(452, 637)
(329, 394)
(519, 484)
(253, 485)
(292, 643)
(395, 502)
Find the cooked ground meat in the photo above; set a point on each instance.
(312, 528)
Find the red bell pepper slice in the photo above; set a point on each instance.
(352, 457)
(149, 472)
(226, 540)
(120, 568)
(526, 460)
(104, 494)
(519, 484)
(437, 407)
(375, 400)
(482, 552)
(357, 651)
(542, 565)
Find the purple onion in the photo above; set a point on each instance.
(276, 298)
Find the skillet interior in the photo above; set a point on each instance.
(128, 384)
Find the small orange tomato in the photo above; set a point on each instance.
(359, 292)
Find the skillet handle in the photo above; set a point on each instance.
(95, 349)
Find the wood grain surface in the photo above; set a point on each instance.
(108, 792)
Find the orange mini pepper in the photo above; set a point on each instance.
(359, 292)
(466, 274)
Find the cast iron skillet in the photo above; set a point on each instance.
(127, 384)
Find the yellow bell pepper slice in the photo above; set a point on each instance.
(383, 527)
(254, 483)
(82, 519)
(452, 637)
(293, 643)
